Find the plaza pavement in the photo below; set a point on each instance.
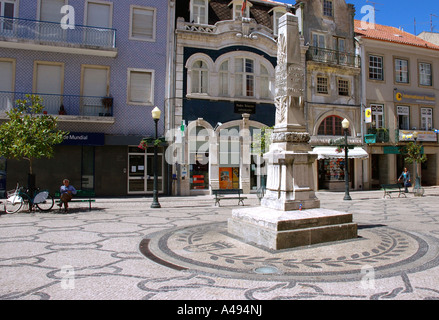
(124, 250)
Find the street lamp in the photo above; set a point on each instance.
(155, 201)
(345, 125)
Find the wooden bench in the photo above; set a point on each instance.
(393, 188)
(221, 193)
(80, 196)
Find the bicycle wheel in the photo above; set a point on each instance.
(47, 204)
(13, 204)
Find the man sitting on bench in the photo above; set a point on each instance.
(67, 191)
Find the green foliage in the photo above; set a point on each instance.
(262, 141)
(29, 134)
(413, 153)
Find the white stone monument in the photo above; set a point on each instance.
(290, 214)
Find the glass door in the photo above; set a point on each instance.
(141, 170)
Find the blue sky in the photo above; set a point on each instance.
(401, 13)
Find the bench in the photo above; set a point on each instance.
(393, 188)
(221, 193)
(80, 196)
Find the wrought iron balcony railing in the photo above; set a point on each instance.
(53, 33)
(333, 57)
(73, 105)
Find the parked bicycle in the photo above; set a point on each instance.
(18, 197)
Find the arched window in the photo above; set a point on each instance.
(265, 83)
(224, 79)
(244, 77)
(200, 77)
(331, 126)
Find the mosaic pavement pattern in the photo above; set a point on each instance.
(125, 250)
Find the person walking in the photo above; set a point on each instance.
(405, 176)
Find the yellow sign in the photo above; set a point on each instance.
(368, 115)
(415, 97)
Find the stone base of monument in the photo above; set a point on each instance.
(279, 230)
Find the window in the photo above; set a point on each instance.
(95, 86)
(403, 117)
(377, 116)
(343, 87)
(318, 40)
(241, 9)
(140, 87)
(331, 126)
(264, 82)
(7, 83)
(7, 10)
(199, 10)
(427, 119)
(376, 70)
(49, 84)
(143, 22)
(99, 15)
(322, 85)
(244, 77)
(200, 77)
(328, 8)
(401, 71)
(224, 79)
(425, 74)
(277, 13)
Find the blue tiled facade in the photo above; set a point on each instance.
(124, 124)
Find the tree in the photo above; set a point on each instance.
(414, 154)
(30, 133)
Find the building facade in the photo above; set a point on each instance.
(333, 89)
(100, 67)
(226, 54)
(400, 86)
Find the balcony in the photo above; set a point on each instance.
(374, 135)
(77, 108)
(333, 57)
(17, 33)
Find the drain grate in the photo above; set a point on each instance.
(266, 270)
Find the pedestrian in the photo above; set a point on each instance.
(405, 176)
(67, 191)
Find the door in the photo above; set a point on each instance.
(141, 170)
(7, 12)
(99, 19)
(49, 83)
(94, 88)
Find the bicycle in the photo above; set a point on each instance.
(18, 197)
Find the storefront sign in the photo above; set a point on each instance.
(415, 97)
(84, 139)
(427, 136)
(244, 107)
(368, 115)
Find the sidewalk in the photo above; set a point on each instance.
(123, 249)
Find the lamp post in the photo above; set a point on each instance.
(155, 201)
(345, 125)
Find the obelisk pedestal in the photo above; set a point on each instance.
(290, 214)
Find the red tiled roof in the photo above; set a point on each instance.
(392, 34)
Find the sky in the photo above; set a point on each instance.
(400, 13)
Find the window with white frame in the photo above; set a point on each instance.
(425, 74)
(403, 113)
(265, 91)
(401, 71)
(241, 9)
(200, 77)
(224, 79)
(427, 119)
(140, 87)
(7, 83)
(377, 115)
(244, 77)
(7, 10)
(143, 23)
(376, 68)
(199, 11)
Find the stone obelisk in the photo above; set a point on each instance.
(290, 214)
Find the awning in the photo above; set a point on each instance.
(331, 153)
